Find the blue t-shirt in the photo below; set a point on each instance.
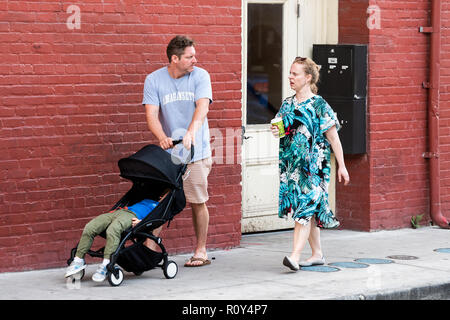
(176, 100)
(143, 208)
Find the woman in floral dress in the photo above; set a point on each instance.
(311, 128)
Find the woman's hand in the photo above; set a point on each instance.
(275, 131)
(343, 174)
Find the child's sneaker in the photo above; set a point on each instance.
(100, 274)
(74, 268)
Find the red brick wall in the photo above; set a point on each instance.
(396, 177)
(71, 108)
(352, 21)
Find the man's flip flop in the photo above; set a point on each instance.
(204, 262)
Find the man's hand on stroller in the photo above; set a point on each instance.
(188, 139)
(134, 222)
(166, 143)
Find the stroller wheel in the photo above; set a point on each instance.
(170, 269)
(113, 280)
(137, 273)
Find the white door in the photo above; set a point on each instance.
(270, 45)
(274, 33)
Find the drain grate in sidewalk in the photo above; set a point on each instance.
(374, 261)
(320, 269)
(442, 250)
(353, 265)
(402, 257)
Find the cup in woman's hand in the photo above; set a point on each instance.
(278, 122)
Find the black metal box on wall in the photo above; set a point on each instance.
(343, 72)
(343, 84)
(351, 114)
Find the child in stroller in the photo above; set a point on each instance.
(152, 171)
(114, 223)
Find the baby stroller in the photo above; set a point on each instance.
(152, 171)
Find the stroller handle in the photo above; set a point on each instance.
(175, 142)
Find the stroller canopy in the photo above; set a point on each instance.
(151, 162)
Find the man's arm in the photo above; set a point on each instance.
(201, 110)
(155, 126)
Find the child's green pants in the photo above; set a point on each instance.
(114, 223)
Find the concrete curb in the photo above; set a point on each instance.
(429, 292)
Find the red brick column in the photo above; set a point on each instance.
(353, 201)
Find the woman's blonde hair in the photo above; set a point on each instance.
(310, 67)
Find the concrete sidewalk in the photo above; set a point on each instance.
(254, 271)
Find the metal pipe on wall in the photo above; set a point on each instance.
(433, 115)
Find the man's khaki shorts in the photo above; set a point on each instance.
(196, 183)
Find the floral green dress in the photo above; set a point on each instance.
(304, 161)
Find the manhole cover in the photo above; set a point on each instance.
(443, 250)
(349, 265)
(402, 257)
(374, 261)
(320, 269)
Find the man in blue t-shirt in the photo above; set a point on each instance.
(115, 223)
(176, 100)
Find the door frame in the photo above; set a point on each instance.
(322, 17)
(261, 132)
